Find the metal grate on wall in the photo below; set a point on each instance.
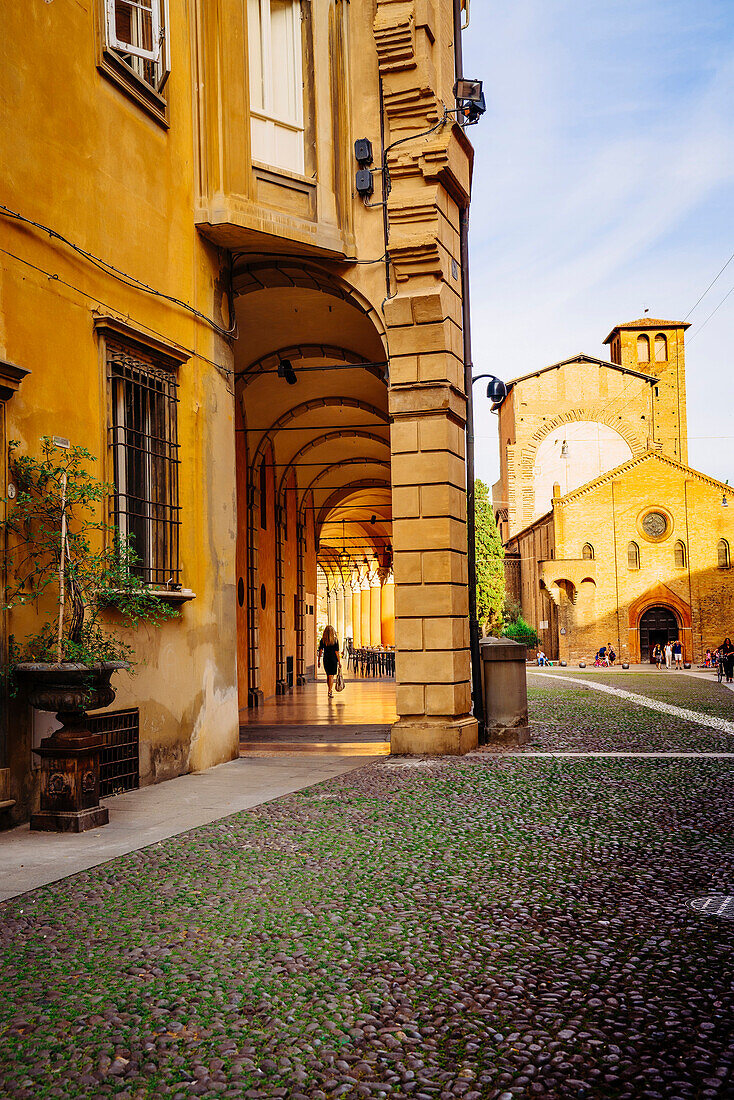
(119, 761)
(143, 436)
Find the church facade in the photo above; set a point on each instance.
(610, 536)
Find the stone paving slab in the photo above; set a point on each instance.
(139, 818)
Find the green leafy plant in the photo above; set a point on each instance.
(56, 544)
(490, 562)
(522, 632)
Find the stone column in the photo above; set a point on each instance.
(430, 176)
(356, 612)
(387, 612)
(365, 611)
(339, 624)
(348, 627)
(375, 609)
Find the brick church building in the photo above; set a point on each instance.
(610, 536)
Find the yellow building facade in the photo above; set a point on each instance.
(183, 245)
(610, 536)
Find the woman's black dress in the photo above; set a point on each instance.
(727, 652)
(331, 661)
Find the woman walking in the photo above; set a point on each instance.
(657, 655)
(726, 653)
(329, 646)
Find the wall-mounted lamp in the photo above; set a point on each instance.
(285, 370)
(373, 519)
(724, 502)
(564, 449)
(470, 101)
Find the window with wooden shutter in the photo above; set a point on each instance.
(138, 33)
(276, 83)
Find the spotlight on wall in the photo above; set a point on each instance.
(564, 449)
(470, 101)
(373, 519)
(724, 501)
(285, 370)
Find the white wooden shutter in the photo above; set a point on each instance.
(134, 27)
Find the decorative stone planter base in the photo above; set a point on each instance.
(70, 756)
(70, 787)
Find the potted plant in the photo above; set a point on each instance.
(70, 566)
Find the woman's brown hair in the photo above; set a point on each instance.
(329, 636)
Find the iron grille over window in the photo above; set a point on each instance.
(144, 441)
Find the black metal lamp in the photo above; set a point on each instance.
(285, 370)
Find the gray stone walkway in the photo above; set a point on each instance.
(139, 818)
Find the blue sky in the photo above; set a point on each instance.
(604, 185)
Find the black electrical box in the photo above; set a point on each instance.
(363, 182)
(363, 151)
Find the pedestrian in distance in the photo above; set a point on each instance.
(668, 655)
(611, 654)
(329, 647)
(677, 653)
(657, 655)
(726, 652)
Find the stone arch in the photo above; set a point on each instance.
(326, 437)
(270, 361)
(287, 273)
(659, 596)
(592, 413)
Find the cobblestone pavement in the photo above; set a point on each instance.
(570, 717)
(478, 928)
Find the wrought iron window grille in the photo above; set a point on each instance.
(143, 437)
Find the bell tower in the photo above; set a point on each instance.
(657, 348)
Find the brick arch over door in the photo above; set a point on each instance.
(660, 596)
(636, 442)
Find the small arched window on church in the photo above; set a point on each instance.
(633, 556)
(643, 349)
(722, 549)
(661, 348)
(680, 555)
(587, 552)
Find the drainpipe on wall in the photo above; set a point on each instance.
(476, 668)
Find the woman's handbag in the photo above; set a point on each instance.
(339, 682)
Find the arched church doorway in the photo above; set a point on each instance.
(658, 625)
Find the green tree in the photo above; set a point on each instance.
(490, 563)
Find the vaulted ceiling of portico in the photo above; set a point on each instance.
(331, 427)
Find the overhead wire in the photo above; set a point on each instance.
(121, 276)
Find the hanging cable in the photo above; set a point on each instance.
(121, 276)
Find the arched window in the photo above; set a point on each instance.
(643, 349)
(633, 556)
(661, 348)
(722, 549)
(680, 555)
(587, 552)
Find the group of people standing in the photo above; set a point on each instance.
(671, 653)
(725, 654)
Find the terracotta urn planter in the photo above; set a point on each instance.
(70, 755)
